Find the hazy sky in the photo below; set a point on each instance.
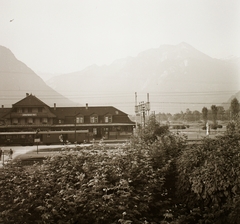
(61, 36)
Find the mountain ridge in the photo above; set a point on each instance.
(17, 79)
(167, 69)
(176, 77)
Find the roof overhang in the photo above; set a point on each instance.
(95, 125)
(42, 132)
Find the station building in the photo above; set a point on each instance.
(30, 118)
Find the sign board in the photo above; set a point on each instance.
(37, 140)
(29, 115)
(142, 107)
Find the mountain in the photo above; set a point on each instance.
(16, 79)
(176, 77)
(228, 103)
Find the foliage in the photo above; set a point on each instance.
(214, 126)
(214, 114)
(180, 126)
(123, 185)
(154, 178)
(233, 128)
(235, 108)
(221, 113)
(205, 114)
(208, 180)
(152, 130)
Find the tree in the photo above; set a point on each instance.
(177, 116)
(169, 116)
(188, 115)
(162, 117)
(196, 115)
(153, 129)
(221, 113)
(214, 114)
(209, 188)
(205, 114)
(234, 108)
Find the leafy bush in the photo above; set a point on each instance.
(179, 127)
(91, 186)
(233, 128)
(208, 180)
(155, 178)
(214, 126)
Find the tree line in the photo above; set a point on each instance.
(213, 113)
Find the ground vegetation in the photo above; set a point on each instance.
(154, 178)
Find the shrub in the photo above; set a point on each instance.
(179, 127)
(214, 126)
(92, 186)
(208, 180)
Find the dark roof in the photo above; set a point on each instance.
(30, 101)
(62, 112)
(4, 111)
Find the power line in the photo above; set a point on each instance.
(107, 93)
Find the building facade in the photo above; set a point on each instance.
(32, 117)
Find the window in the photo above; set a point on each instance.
(34, 110)
(29, 120)
(94, 118)
(29, 110)
(108, 118)
(40, 109)
(80, 120)
(44, 120)
(94, 131)
(15, 121)
(19, 110)
(59, 121)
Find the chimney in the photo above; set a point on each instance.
(54, 106)
(27, 94)
(2, 106)
(86, 106)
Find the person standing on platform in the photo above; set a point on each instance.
(10, 154)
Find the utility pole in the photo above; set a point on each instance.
(75, 122)
(143, 112)
(148, 107)
(37, 138)
(142, 108)
(136, 111)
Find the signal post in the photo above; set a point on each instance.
(141, 109)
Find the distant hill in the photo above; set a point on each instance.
(176, 77)
(228, 103)
(16, 79)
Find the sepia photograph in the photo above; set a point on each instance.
(120, 112)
